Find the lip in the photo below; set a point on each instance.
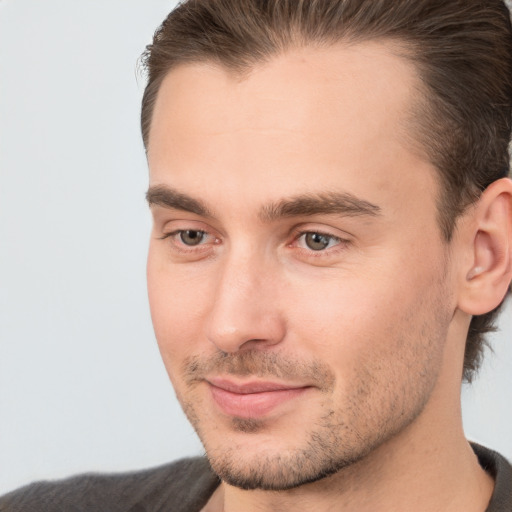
(253, 399)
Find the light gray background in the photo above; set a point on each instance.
(81, 383)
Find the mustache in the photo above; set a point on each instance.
(258, 363)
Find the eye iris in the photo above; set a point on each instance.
(317, 241)
(191, 237)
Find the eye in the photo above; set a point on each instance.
(192, 237)
(186, 240)
(317, 241)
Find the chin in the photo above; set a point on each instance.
(253, 455)
(278, 471)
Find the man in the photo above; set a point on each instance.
(332, 239)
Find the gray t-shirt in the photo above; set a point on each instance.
(183, 486)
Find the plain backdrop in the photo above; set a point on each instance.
(82, 387)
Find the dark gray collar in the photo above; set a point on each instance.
(501, 470)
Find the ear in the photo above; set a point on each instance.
(487, 273)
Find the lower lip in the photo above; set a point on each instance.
(252, 405)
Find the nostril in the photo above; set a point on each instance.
(250, 331)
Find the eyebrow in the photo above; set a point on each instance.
(160, 195)
(337, 203)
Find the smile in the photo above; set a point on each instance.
(251, 399)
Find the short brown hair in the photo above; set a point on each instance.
(462, 50)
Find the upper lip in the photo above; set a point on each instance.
(245, 388)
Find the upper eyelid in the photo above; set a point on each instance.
(178, 231)
(170, 225)
(318, 232)
(336, 238)
(302, 230)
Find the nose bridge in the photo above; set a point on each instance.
(244, 306)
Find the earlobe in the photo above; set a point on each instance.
(488, 277)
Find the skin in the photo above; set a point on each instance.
(371, 328)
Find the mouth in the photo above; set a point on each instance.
(252, 399)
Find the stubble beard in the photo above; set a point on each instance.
(338, 438)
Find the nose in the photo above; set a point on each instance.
(245, 311)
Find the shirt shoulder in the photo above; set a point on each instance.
(184, 485)
(501, 470)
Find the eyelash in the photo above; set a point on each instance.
(340, 243)
(182, 247)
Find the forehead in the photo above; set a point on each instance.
(310, 113)
(297, 88)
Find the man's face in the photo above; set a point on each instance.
(297, 278)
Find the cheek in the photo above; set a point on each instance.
(369, 317)
(384, 345)
(178, 303)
